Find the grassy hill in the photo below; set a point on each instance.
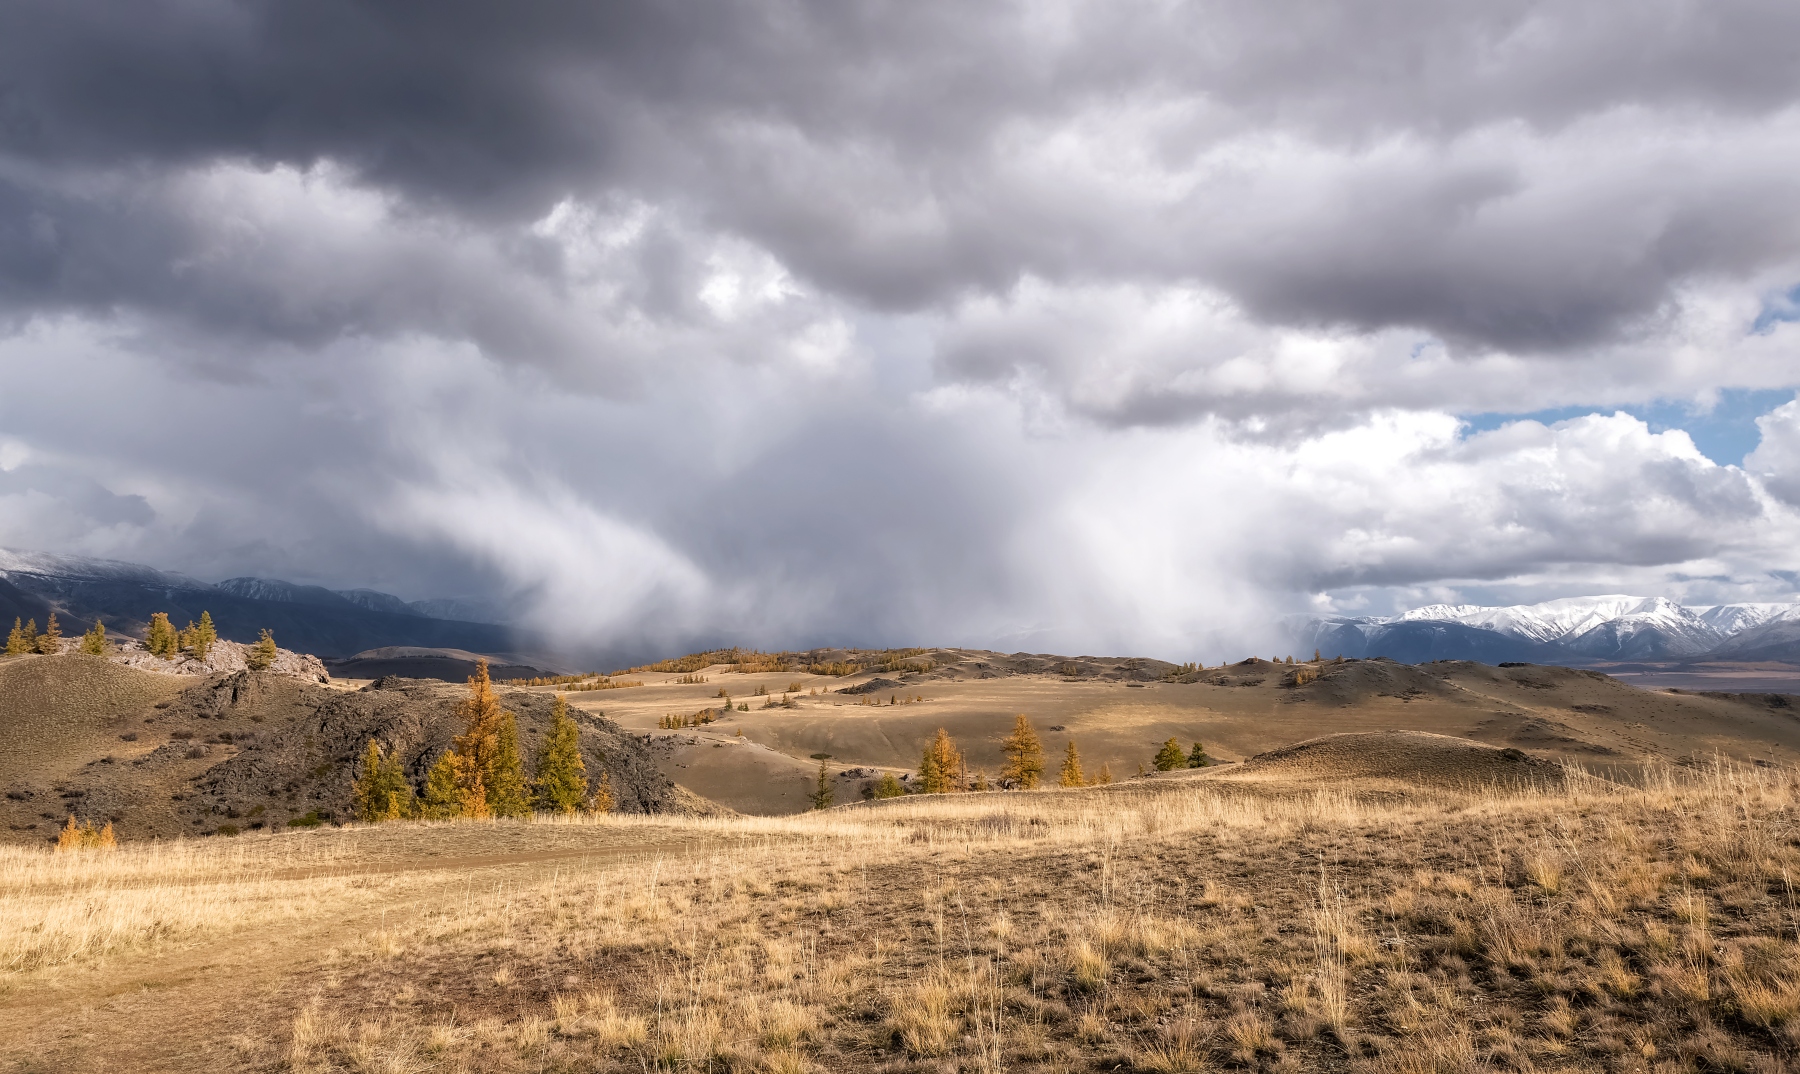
(1118, 711)
(1282, 916)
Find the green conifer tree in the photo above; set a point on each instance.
(93, 642)
(821, 795)
(561, 777)
(381, 791)
(31, 636)
(930, 780)
(887, 787)
(15, 641)
(50, 641)
(1197, 757)
(508, 794)
(396, 790)
(443, 794)
(262, 655)
(1170, 757)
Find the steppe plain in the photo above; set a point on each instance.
(1519, 868)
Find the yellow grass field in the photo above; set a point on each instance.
(1265, 918)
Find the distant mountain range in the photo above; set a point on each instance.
(1574, 630)
(325, 622)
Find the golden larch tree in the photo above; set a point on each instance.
(50, 641)
(489, 773)
(262, 655)
(93, 642)
(1071, 768)
(1024, 755)
(941, 769)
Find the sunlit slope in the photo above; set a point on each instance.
(1245, 709)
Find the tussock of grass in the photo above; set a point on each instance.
(1168, 927)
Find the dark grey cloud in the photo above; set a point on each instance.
(1088, 325)
(901, 155)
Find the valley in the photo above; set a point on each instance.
(1468, 866)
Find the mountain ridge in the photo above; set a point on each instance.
(312, 619)
(1605, 627)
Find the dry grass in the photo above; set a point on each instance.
(1159, 927)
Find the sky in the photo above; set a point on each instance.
(1100, 327)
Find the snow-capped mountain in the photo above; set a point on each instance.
(1608, 627)
(1733, 619)
(24, 564)
(1614, 626)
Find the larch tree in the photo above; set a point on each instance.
(78, 836)
(561, 777)
(381, 791)
(887, 787)
(821, 795)
(15, 641)
(49, 642)
(1170, 757)
(941, 769)
(508, 791)
(93, 642)
(1071, 768)
(443, 796)
(262, 655)
(489, 772)
(202, 636)
(1024, 755)
(602, 801)
(161, 638)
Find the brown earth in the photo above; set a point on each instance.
(1211, 922)
(1119, 712)
(289, 748)
(161, 755)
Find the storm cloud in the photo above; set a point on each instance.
(1068, 325)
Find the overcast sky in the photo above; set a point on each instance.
(1100, 327)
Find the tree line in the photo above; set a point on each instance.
(483, 773)
(942, 769)
(161, 639)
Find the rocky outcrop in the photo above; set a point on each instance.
(291, 747)
(225, 657)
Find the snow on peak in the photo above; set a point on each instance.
(1617, 625)
(88, 568)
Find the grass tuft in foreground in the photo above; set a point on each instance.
(1175, 926)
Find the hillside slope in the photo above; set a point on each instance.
(1119, 710)
(163, 756)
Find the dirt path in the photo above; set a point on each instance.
(221, 1002)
